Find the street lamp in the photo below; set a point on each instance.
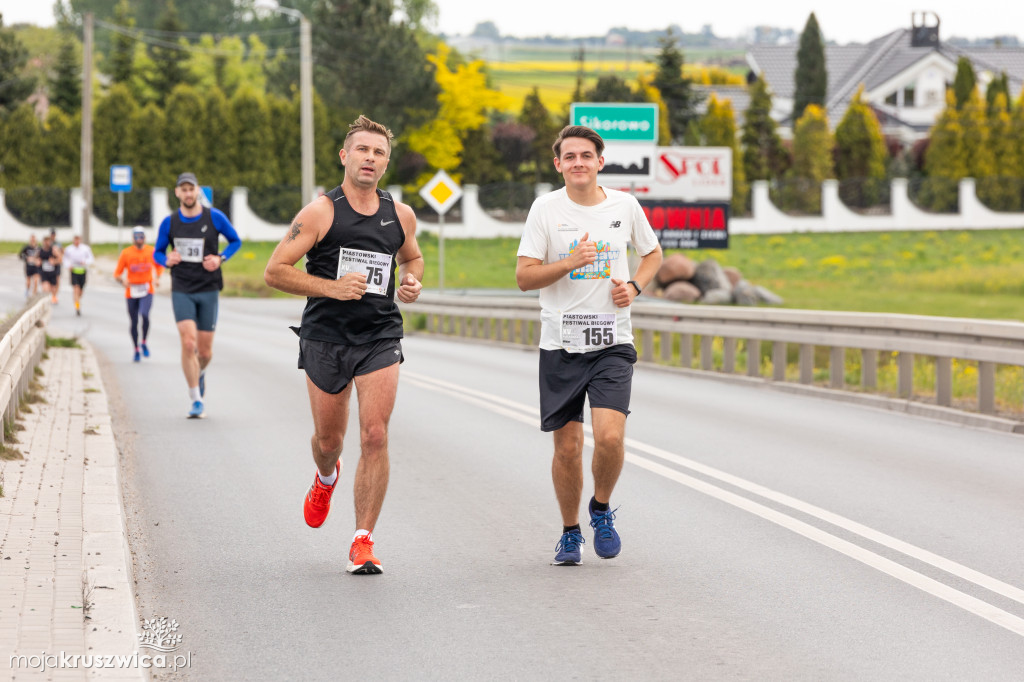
(305, 95)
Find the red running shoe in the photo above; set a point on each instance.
(360, 557)
(318, 500)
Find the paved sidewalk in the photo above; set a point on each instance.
(65, 584)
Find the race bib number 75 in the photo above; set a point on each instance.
(376, 267)
(583, 332)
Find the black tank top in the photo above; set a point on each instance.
(373, 317)
(194, 241)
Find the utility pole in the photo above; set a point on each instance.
(306, 95)
(86, 151)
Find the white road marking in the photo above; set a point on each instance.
(531, 415)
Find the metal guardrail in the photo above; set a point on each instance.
(682, 328)
(21, 349)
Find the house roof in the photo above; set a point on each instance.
(874, 63)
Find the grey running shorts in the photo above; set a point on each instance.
(331, 366)
(200, 307)
(605, 376)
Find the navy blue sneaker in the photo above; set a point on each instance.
(197, 410)
(569, 549)
(202, 384)
(606, 540)
(135, 358)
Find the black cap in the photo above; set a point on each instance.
(187, 177)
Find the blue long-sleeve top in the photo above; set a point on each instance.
(220, 223)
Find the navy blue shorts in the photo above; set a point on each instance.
(604, 376)
(332, 366)
(200, 307)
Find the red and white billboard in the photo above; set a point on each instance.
(687, 174)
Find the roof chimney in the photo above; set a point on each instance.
(922, 35)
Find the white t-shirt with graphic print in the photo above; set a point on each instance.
(553, 228)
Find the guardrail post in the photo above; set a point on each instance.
(707, 358)
(837, 367)
(987, 387)
(460, 325)
(753, 357)
(869, 368)
(906, 375)
(535, 335)
(806, 363)
(729, 355)
(524, 332)
(666, 347)
(646, 344)
(944, 381)
(686, 350)
(779, 360)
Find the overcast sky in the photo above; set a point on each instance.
(842, 22)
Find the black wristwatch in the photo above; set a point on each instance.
(636, 286)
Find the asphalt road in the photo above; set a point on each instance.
(767, 536)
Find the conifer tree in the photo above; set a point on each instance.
(66, 86)
(215, 129)
(860, 153)
(114, 142)
(812, 161)
(719, 130)
(964, 82)
(61, 149)
(1000, 85)
(183, 113)
(1000, 192)
(980, 159)
(254, 162)
(20, 138)
(150, 132)
(945, 160)
(122, 57)
(676, 91)
(763, 155)
(811, 77)
(169, 62)
(535, 115)
(15, 87)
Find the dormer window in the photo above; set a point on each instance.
(908, 96)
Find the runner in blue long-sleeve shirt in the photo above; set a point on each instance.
(193, 232)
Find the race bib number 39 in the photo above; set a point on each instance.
(191, 249)
(582, 332)
(376, 267)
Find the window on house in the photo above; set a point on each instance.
(908, 96)
(891, 99)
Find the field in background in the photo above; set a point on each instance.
(515, 71)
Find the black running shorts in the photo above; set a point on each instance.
(605, 376)
(331, 366)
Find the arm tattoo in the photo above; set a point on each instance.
(295, 231)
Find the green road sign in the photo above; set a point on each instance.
(618, 122)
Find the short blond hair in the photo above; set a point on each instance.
(363, 124)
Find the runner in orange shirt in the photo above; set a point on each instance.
(143, 277)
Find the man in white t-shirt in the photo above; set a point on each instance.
(78, 257)
(574, 251)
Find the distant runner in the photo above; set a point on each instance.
(143, 277)
(30, 255)
(78, 257)
(193, 232)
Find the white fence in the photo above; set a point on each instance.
(477, 223)
(671, 333)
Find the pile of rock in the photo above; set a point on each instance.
(681, 279)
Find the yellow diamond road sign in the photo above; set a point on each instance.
(441, 192)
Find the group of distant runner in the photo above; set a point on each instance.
(361, 254)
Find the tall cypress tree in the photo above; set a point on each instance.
(945, 160)
(763, 155)
(122, 57)
(15, 87)
(964, 82)
(676, 91)
(860, 153)
(66, 86)
(1001, 191)
(1000, 85)
(169, 61)
(811, 76)
(812, 160)
(719, 130)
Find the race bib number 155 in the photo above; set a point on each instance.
(582, 332)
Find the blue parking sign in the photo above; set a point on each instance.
(120, 178)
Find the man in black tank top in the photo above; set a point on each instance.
(361, 252)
